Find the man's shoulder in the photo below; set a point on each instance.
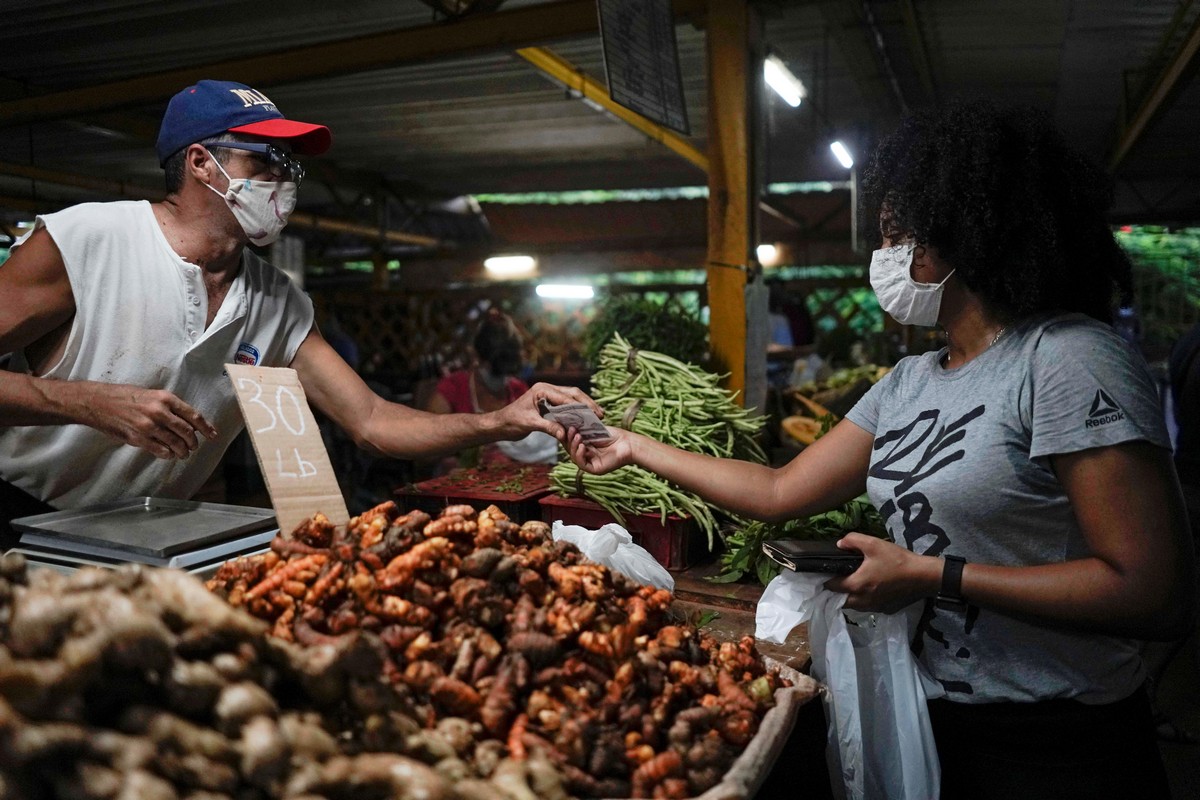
(100, 213)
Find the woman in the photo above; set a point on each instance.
(490, 384)
(1023, 471)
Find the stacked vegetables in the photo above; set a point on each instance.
(673, 402)
(538, 652)
(138, 684)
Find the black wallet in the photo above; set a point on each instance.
(802, 555)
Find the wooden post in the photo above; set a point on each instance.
(732, 199)
(379, 275)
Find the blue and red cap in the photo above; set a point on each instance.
(213, 107)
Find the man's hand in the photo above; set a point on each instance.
(602, 457)
(153, 419)
(524, 414)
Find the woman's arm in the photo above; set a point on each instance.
(824, 474)
(1139, 581)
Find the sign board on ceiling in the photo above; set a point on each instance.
(641, 60)
(291, 454)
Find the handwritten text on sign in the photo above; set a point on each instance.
(288, 444)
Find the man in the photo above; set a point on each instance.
(121, 316)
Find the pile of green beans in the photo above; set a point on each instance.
(676, 403)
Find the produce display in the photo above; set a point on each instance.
(138, 684)
(663, 327)
(538, 653)
(676, 403)
(744, 556)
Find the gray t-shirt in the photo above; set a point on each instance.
(960, 466)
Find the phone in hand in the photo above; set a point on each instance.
(806, 555)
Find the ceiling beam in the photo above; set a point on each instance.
(499, 30)
(1157, 99)
(919, 48)
(588, 88)
(855, 40)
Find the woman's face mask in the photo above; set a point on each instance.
(260, 207)
(909, 302)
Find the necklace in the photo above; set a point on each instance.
(995, 339)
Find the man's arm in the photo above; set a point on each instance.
(37, 304)
(396, 430)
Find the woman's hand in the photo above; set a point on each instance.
(601, 457)
(890, 577)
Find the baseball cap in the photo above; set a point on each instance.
(212, 107)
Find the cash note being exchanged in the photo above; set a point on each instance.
(580, 417)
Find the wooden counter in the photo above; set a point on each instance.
(734, 604)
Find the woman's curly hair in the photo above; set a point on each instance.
(1007, 203)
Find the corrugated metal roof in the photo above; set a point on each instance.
(490, 122)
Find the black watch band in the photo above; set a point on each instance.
(950, 595)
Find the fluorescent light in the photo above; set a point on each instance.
(510, 265)
(780, 78)
(843, 155)
(565, 291)
(767, 253)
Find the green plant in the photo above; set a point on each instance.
(744, 557)
(646, 324)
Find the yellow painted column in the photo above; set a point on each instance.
(731, 193)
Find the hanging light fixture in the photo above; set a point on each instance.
(507, 266)
(842, 154)
(781, 79)
(565, 291)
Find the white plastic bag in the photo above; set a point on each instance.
(535, 448)
(880, 740)
(613, 547)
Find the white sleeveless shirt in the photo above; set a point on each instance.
(139, 319)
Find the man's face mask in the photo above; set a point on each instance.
(909, 302)
(260, 207)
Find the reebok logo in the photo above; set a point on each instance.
(1104, 410)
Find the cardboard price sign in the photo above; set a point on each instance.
(288, 444)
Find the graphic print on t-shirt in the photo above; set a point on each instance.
(905, 464)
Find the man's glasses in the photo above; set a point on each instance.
(279, 161)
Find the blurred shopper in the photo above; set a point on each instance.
(491, 383)
(1024, 470)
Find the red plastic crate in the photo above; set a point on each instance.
(480, 487)
(676, 545)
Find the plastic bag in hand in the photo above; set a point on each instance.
(613, 547)
(880, 740)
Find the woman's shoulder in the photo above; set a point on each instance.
(1074, 336)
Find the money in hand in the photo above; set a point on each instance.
(580, 417)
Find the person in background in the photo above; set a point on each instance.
(490, 383)
(1023, 471)
(122, 316)
(340, 340)
(1183, 368)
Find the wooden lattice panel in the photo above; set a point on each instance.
(406, 329)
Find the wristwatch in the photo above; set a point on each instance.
(950, 595)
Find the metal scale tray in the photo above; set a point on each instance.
(185, 534)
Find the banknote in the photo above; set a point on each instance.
(580, 417)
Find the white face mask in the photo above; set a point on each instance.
(909, 302)
(260, 207)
